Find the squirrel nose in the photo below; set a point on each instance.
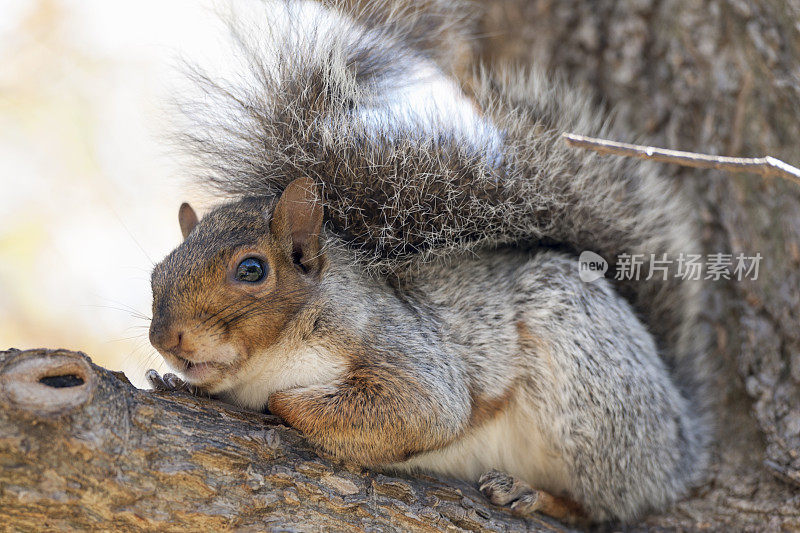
(166, 338)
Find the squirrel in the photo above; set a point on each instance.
(394, 270)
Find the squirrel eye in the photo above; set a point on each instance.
(250, 270)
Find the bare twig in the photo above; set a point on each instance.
(765, 166)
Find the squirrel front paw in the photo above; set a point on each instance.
(508, 491)
(169, 382)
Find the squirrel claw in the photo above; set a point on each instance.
(501, 488)
(174, 382)
(507, 491)
(169, 382)
(156, 381)
(166, 383)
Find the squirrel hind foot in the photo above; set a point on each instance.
(508, 491)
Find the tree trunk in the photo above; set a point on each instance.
(721, 77)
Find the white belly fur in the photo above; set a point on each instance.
(511, 442)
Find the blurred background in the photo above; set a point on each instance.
(89, 187)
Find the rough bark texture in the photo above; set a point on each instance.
(81, 448)
(716, 76)
(713, 76)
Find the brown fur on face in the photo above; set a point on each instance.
(223, 321)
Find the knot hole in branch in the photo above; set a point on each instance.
(46, 382)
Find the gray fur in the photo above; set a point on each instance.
(417, 220)
(630, 440)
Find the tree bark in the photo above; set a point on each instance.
(719, 77)
(81, 448)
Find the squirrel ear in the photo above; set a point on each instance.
(297, 222)
(187, 218)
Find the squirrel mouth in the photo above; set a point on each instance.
(186, 364)
(194, 371)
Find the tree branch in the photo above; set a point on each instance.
(765, 166)
(82, 449)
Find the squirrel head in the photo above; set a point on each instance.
(231, 288)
